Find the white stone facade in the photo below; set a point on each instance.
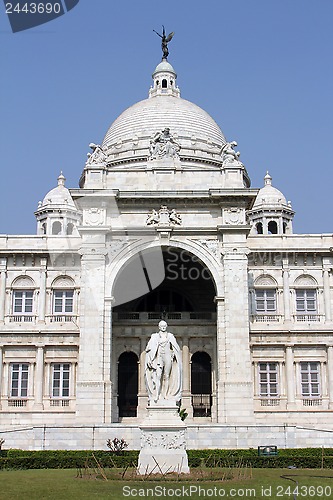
(178, 235)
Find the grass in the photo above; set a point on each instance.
(257, 483)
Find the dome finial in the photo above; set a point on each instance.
(61, 179)
(164, 43)
(268, 179)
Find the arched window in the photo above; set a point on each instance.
(164, 83)
(272, 227)
(201, 384)
(63, 306)
(265, 303)
(128, 384)
(306, 299)
(259, 228)
(23, 294)
(70, 228)
(56, 227)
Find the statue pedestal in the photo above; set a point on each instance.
(163, 442)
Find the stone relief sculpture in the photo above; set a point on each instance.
(229, 155)
(166, 440)
(153, 217)
(97, 156)
(163, 217)
(163, 367)
(164, 42)
(163, 145)
(213, 246)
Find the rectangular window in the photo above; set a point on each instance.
(60, 380)
(310, 377)
(22, 301)
(63, 301)
(306, 301)
(265, 301)
(268, 379)
(19, 380)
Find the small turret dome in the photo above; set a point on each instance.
(268, 195)
(164, 66)
(58, 196)
(271, 214)
(57, 214)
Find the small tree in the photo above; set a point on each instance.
(116, 445)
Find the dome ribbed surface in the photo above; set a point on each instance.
(59, 197)
(269, 195)
(194, 128)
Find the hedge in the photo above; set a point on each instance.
(65, 459)
(310, 458)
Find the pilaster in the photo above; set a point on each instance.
(220, 359)
(108, 357)
(42, 290)
(90, 400)
(39, 378)
(3, 265)
(237, 375)
(286, 289)
(290, 376)
(330, 375)
(327, 291)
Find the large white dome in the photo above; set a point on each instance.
(130, 134)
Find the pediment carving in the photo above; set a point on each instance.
(23, 282)
(63, 282)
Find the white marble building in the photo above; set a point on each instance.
(165, 225)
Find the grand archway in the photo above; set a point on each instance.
(178, 287)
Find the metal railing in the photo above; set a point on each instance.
(152, 315)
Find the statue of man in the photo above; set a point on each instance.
(163, 366)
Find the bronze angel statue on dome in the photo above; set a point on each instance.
(165, 41)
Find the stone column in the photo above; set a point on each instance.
(42, 291)
(142, 393)
(3, 264)
(264, 225)
(327, 294)
(236, 360)
(286, 289)
(290, 377)
(5, 378)
(39, 378)
(330, 375)
(90, 399)
(186, 390)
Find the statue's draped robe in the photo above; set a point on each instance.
(174, 389)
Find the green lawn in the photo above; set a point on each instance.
(258, 483)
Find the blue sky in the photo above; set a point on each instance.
(262, 68)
